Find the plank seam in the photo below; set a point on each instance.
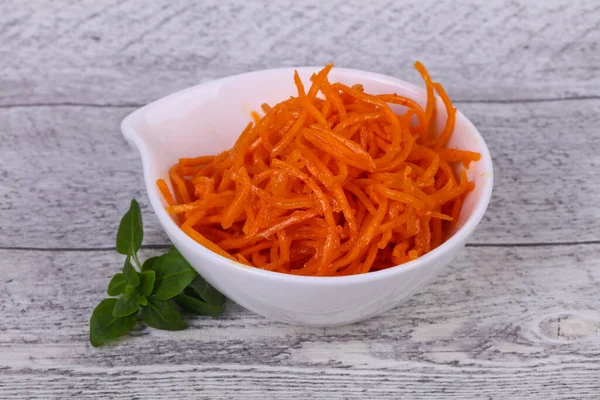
(466, 101)
(165, 246)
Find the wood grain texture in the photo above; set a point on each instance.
(504, 322)
(78, 168)
(123, 52)
(499, 323)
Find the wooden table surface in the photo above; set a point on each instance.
(517, 315)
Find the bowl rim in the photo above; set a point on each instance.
(457, 240)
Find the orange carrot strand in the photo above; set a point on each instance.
(332, 182)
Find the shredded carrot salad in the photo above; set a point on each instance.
(331, 182)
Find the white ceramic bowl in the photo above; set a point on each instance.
(208, 118)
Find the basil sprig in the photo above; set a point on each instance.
(157, 289)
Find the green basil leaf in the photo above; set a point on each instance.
(148, 264)
(132, 277)
(161, 314)
(130, 233)
(116, 285)
(173, 274)
(147, 282)
(127, 303)
(204, 291)
(105, 327)
(142, 300)
(193, 305)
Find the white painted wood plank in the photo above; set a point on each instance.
(122, 52)
(68, 175)
(500, 323)
(559, 380)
